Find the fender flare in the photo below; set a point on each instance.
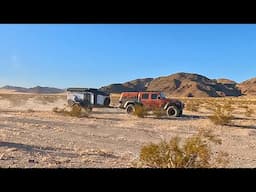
(131, 102)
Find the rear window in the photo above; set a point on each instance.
(145, 96)
(154, 96)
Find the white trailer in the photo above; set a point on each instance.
(88, 97)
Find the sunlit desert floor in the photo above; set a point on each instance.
(32, 135)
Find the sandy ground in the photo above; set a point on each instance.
(31, 135)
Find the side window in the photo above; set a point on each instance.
(154, 96)
(145, 96)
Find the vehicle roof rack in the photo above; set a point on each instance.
(80, 89)
(93, 90)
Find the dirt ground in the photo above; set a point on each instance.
(33, 136)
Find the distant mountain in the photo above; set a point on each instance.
(18, 89)
(36, 89)
(180, 85)
(135, 85)
(39, 89)
(248, 87)
(193, 85)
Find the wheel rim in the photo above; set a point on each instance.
(171, 112)
(129, 109)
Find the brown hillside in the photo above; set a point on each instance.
(193, 85)
(135, 85)
(248, 87)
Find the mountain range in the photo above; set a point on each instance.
(187, 85)
(178, 85)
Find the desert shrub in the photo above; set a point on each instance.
(192, 106)
(159, 112)
(55, 109)
(30, 110)
(222, 114)
(194, 152)
(76, 111)
(140, 111)
(248, 111)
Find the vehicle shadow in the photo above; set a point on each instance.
(183, 117)
(106, 112)
(243, 118)
(106, 118)
(243, 126)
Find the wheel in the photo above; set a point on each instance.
(130, 109)
(173, 111)
(107, 101)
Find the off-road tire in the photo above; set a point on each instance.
(130, 109)
(173, 111)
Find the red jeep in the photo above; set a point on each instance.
(151, 100)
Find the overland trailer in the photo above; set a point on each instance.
(87, 97)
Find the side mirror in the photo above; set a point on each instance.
(158, 97)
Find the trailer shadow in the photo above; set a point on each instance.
(35, 149)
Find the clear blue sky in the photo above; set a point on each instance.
(93, 55)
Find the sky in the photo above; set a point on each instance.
(95, 55)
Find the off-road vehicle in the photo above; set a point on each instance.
(150, 100)
(87, 97)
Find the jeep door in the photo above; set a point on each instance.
(145, 99)
(155, 101)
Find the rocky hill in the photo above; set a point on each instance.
(135, 85)
(193, 85)
(248, 87)
(180, 85)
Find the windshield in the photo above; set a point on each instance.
(162, 95)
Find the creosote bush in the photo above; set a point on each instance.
(192, 106)
(248, 111)
(193, 152)
(76, 111)
(222, 114)
(140, 111)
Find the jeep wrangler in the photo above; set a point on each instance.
(151, 100)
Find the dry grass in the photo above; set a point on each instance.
(222, 114)
(75, 111)
(192, 106)
(140, 111)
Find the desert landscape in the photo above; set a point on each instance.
(32, 135)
